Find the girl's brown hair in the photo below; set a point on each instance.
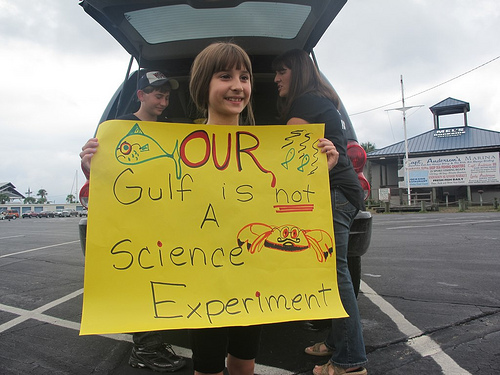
(217, 57)
(305, 78)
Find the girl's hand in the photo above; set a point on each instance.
(88, 150)
(332, 156)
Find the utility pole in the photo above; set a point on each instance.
(407, 161)
(76, 186)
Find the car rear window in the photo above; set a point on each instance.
(275, 20)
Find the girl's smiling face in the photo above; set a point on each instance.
(229, 94)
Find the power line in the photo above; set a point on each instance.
(432, 88)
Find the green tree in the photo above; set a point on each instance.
(29, 200)
(70, 198)
(368, 146)
(4, 198)
(42, 193)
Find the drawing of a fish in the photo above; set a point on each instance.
(137, 147)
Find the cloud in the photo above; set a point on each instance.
(371, 44)
(60, 69)
(61, 26)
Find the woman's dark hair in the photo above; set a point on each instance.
(305, 78)
(217, 57)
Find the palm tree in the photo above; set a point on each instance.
(4, 198)
(29, 200)
(368, 146)
(42, 193)
(70, 198)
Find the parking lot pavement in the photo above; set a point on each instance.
(429, 303)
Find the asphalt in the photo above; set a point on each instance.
(429, 304)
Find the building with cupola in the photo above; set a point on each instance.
(445, 165)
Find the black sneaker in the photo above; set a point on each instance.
(160, 358)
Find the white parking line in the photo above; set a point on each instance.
(36, 249)
(445, 224)
(5, 238)
(421, 343)
(37, 314)
(33, 314)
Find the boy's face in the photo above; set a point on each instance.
(155, 102)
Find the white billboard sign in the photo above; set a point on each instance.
(455, 170)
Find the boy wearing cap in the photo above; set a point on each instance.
(153, 91)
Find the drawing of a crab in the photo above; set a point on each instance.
(286, 238)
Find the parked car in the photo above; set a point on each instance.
(142, 28)
(65, 213)
(46, 214)
(62, 213)
(9, 214)
(29, 214)
(83, 213)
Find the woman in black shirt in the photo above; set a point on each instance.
(305, 98)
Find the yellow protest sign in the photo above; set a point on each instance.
(195, 226)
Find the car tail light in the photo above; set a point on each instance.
(84, 195)
(357, 155)
(358, 158)
(364, 184)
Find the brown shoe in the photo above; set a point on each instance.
(331, 369)
(319, 350)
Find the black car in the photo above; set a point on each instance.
(166, 35)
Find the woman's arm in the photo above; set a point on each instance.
(327, 147)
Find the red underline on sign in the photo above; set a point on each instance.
(280, 208)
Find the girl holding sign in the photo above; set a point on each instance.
(304, 98)
(221, 86)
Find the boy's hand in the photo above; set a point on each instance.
(88, 150)
(332, 155)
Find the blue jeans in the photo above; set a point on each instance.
(345, 337)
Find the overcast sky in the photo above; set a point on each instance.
(60, 68)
